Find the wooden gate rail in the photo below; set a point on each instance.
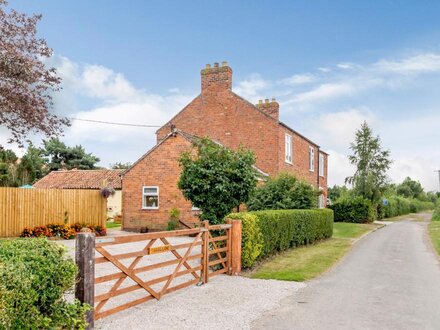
(220, 253)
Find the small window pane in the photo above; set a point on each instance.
(150, 190)
(151, 201)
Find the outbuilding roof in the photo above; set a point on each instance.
(81, 179)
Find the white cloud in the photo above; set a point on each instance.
(251, 88)
(324, 91)
(422, 63)
(337, 129)
(339, 168)
(324, 69)
(417, 168)
(298, 79)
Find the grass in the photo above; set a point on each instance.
(434, 230)
(111, 224)
(307, 262)
(434, 233)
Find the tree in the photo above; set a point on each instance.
(335, 192)
(25, 82)
(8, 160)
(410, 188)
(217, 179)
(59, 156)
(31, 166)
(371, 162)
(120, 166)
(281, 193)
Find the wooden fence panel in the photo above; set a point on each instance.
(21, 207)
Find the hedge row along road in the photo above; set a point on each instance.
(390, 280)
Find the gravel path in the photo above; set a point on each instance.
(226, 302)
(391, 280)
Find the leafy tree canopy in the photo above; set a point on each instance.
(217, 179)
(410, 188)
(283, 192)
(371, 163)
(26, 85)
(120, 166)
(59, 156)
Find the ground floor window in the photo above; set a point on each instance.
(321, 201)
(150, 197)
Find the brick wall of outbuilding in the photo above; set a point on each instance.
(159, 168)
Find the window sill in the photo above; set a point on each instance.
(150, 208)
(289, 163)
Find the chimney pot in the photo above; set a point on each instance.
(260, 101)
(208, 66)
(273, 99)
(266, 101)
(224, 63)
(216, 65)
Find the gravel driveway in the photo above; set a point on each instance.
(391, 280)
(226, 302)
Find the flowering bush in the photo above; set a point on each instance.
(61, 230)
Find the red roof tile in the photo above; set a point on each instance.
(81, 179)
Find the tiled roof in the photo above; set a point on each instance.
(81, 179)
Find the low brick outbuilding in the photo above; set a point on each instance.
(150, 185)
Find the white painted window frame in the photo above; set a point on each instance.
(321, 165)
(144, 207)
(288, 147)
(311, 159)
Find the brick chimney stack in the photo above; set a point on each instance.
(271, 108)
(217, 78)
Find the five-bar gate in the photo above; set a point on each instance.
(116, 273)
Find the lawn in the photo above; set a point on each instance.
(111, 224)
(434, 233)
(307, 262)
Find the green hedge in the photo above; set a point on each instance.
(398, 205)
(34, 276)
(283, 229)
(436, 214)
(355, 209)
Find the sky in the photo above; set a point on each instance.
(330, 64)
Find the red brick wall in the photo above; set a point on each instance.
(159, 168)
(232, 121)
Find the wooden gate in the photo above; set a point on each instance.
(142, 267)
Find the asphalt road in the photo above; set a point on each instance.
(390, 280)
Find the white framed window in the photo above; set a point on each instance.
(311, 159)
(150, 197)
(321, 165)
(288, 149)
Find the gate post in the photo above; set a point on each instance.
(85, 280)
(205, 251)
(235, 236)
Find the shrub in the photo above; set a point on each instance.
(34, 276)
(61, 230)
(436, 214)
(356, 209)
(284, 192)
(283, 229)
(397, 205)
(252, 239)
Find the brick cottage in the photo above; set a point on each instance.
(149, 187)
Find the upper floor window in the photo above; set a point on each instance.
(150, 197)
(311, 159)
(321, 165)
(288, 149)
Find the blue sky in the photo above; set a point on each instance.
(331, 64)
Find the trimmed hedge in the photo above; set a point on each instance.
(284, 229)
(398, 205)
(355, 209)
(34, 276)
